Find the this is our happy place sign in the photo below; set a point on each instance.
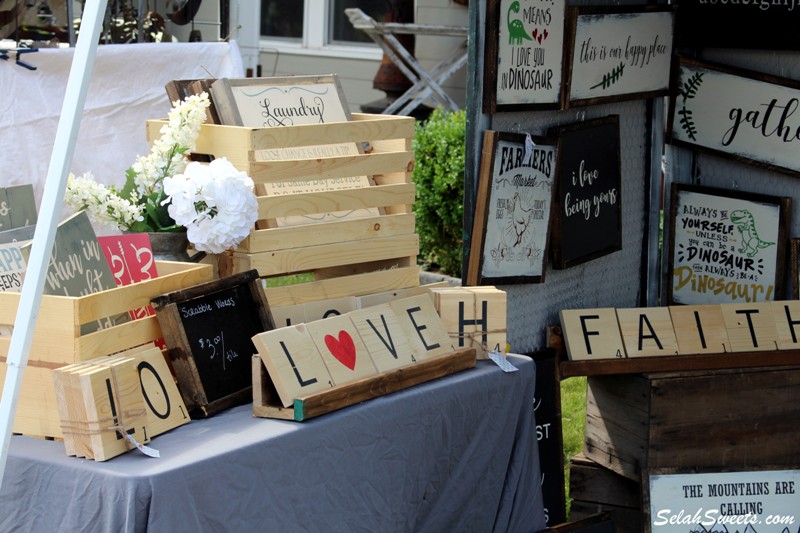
(744, 115)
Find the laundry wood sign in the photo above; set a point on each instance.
(314, 357)
(619, 54)
(735, 113)
(524, 51)
(609, 333)
(726, 246)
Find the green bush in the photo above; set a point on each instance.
(439, 148)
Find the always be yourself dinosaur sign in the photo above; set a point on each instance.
(726, 246)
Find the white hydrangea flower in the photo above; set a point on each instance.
(215, 202)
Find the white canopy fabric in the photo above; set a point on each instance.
(126, 89)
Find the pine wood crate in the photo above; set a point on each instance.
(729, 419)
(57, 340)
(349, 257)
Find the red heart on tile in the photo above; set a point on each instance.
(343, 348)
(539, 39)
(535, 32)
(545, 34)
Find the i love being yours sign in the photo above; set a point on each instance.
(735, 113)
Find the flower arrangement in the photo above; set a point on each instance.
(163, 191)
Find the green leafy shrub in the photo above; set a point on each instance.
(439, 147)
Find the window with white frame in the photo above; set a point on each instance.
(319, 26)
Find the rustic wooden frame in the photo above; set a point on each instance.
(747, 76)
(557, 232)
(622, 12)
(794, 253)
(783, 204)
(492, 50)
(179, 348)
(483, 209)
(647, 474)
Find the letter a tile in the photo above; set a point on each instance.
(293, 362)
(647, 331)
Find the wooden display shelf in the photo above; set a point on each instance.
(266, 403)
(57, 339)
(349, 256)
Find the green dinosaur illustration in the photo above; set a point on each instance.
(516, 31)
(745, 223)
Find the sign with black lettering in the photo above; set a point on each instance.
(619, 53)
(763, 501)
(547, 412)
(738, 114)
(523, 54)
(587, 222)
(749, 24)
(512, 215)
(726, 246)
(208, 329)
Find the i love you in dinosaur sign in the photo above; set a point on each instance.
(726, 246)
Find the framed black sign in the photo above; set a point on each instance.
(587, 215)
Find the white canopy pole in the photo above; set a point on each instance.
(49, 212)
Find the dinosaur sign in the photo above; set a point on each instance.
(726, 247)
(524, 51)
(512, 219)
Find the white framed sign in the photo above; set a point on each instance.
(735, 113)
(726, 246)
(619, 54)
(524, 52)
(765, 501)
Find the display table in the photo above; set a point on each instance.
(456, 454)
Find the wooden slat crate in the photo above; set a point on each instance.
(718, 419)
(348, 257)
(57, 339)
(594, 489)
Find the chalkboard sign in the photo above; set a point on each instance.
(588, 218)
(547, 411)
(761, 25)
(208, 329)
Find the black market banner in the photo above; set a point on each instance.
(726, 246)
(763, 501)
(619, 54)
(748, 24)
(513, 209)
(587, 221)
(523, 55)
(738, 114)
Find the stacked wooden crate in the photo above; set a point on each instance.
(737, 419)
(347, 257)
(57, 339)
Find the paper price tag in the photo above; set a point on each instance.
(502, 362)
(147, 450)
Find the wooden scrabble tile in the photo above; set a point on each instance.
(647, 331)
(293, 362)
(425, 330)
(386, 341)
(288, 315)
(786, 315)
(473, 317)
(591, 334)
(342, 349)
(699, 329)
(378, 298)
(69, 402)
(114, 406)
(328, 308)
(162, 399)
(751, 326)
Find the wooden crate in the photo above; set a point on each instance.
(729, 419)
(595, 489)
(349, 257)
(57, 339)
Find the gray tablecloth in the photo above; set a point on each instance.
(455, 455)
